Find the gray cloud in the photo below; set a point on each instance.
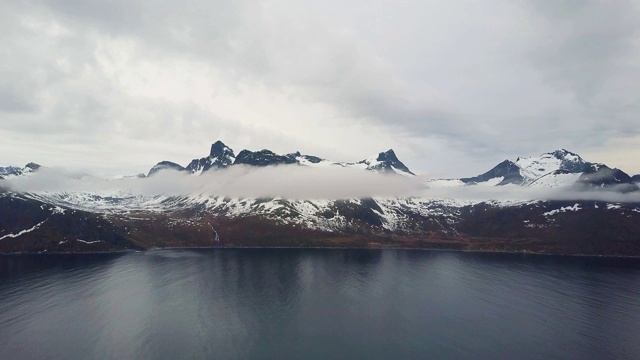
(454, 87)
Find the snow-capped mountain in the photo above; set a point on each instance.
(84, 220)
(222, 156)
(560, 168)
(14, 171)
(8, 170)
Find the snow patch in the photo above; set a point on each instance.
(88, 242)
(563, 209)
(24, 231)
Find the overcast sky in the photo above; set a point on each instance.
(454, 87)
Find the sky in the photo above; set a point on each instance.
(454, 87)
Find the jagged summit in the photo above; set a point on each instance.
(222, 156)
(220, 150)
(386, 161)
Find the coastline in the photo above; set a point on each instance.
(238, 247)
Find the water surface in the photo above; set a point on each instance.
(318, 304)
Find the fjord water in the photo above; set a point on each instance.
(318, 304)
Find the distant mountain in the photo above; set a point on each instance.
(222, 156)
(507, 172)
(165, 165)
(598, 176)
(560, 168)
(636, 178)
(13, 171)
(9, 170)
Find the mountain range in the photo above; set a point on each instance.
(595, 209)
(221, 156)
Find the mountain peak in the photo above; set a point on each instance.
(564, 154)
(220, 156)
(219, 150)
(33, 166)
(388, 155)
(561, 160)
(386, 161)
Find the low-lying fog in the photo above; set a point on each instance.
(294, 182)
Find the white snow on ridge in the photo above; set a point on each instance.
(88, 242)
(555, 180)
(23, 231)
(535, 167)
(492, 182)
(563, 209)
(441, 183)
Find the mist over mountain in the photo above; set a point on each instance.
(557, 202)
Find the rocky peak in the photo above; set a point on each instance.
(570, 161)
(220, 150)
(386, 161)
(32, 166)
(220, 156)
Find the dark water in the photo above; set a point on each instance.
(318, 304)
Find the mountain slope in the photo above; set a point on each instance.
(598, 176)
(507, 172)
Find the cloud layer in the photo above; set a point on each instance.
(292, 182)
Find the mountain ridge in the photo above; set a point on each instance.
(557, 168)
(222, 156)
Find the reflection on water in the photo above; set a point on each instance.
(318, 304)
